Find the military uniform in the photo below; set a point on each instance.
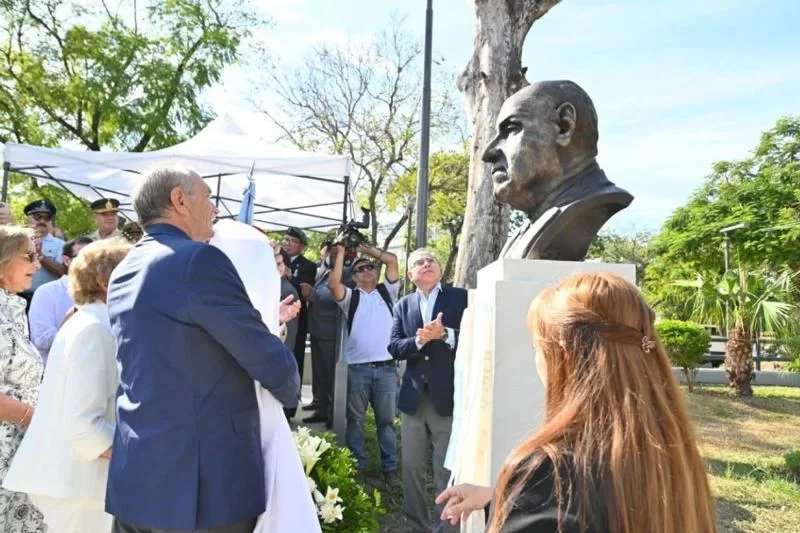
(101, 206)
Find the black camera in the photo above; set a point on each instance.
(349, 236)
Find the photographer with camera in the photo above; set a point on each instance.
(371, 370)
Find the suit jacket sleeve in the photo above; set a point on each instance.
(88, 388)
(219, 304)
(401, 345)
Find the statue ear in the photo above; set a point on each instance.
(566, 117)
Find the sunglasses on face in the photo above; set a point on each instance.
(424, 261)
(39, 217)
(362, 268)
(30, 256)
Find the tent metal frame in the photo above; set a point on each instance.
(41, 172)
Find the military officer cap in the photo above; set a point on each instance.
(40, 206)
(298, 234)
(105, 205)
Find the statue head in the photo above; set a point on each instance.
(546, 134)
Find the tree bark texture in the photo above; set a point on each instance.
(493, 74)
(739, 361)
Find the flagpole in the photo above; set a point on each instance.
(424, 144)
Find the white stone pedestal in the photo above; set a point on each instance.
(499, 398)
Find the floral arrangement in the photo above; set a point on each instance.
(342, 503)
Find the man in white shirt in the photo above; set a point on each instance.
(41, 217)
(371, 370)
(52, 301)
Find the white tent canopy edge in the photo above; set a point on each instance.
(293, 188)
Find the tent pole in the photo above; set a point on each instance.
(6, 170)
(346, 197)
(219, 187)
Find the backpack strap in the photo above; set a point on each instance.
(356, 295)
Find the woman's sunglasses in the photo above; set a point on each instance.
(30, 256)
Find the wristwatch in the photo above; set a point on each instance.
(446, 335)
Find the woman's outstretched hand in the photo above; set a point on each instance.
(461, 500)
(288, 310)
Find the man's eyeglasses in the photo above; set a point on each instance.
(39, 217)
(424, 261)
(30, 256)
(367, 266)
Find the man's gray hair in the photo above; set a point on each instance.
(151, 196)
(418, 254)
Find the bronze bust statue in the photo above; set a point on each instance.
(544, 163)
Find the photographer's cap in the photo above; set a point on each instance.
(298, 234)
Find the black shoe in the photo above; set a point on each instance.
(316, 418)
(390, 478)
(310, 407)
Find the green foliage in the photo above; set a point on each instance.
(633, 248)
(685, 344)
(447, 187)
(759, 301)
(335, 468)
(792, 460)
(762, 191)
(88, 75)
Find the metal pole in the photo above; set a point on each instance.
(6, 170)
(727, 253)
(346, 198)
(424, 145)
(219, 187)
(408, 247)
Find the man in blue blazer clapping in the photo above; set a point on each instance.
(187, 450)
(425, 335)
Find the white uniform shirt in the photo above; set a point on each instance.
(52, 248)
(369, 336)
(49, 305)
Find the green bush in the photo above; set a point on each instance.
(793, 463)
(342, 503)
(685, 343)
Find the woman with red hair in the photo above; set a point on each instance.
(617, 452)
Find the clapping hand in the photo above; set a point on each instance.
(433, 330)
(288, 310)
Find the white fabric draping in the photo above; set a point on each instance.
(289, 504)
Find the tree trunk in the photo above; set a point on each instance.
(739, 361)
(493, 74)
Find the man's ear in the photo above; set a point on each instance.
(566, 118)
(177, 198)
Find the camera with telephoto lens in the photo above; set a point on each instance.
(349, 236)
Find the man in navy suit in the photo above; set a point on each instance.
(187, 451)
(425, 335)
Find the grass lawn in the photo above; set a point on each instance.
(743, 441)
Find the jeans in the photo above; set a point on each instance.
(377, 386)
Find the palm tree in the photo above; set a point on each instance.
(745, 303)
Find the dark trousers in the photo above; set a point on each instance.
(242, 527)
(323, 369)
(299, 354)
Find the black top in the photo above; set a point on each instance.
(536, 508)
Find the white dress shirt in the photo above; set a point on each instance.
(426, 306)
(49, 305)
(52, 248)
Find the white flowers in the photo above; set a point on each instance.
(310, 448)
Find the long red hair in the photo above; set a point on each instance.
(615, 418)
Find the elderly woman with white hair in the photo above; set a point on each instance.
(20, 372)
(62, 462)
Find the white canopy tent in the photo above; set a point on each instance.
(293, 188)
